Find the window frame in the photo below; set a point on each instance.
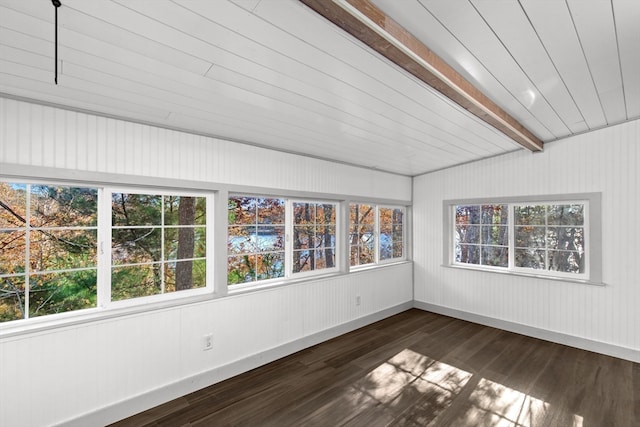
(378, 261)
(592, 229)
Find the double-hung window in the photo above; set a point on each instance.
(276, 238)
(554, 236)
(376, 234)
(66, 248)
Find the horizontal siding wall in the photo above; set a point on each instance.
(74, 371)
(603, 161)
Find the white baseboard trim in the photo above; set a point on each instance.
(124, 409)
(557, 337)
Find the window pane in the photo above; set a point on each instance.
(135, 281)
(530, 215)
(242, 210)
(495, 235)
(241, 269)
(270, 211)
(183, 275)
(467, 234)
(11, 298)
(58, 206)
(62, 249)
(530, 258)
(61, 292)
(303, 237)
(530, 237)
(362, 214)
(566, 261)
(386, 246)
(467, 254)
(136, 209)
(566, 238)
(303, 260)
(12, 252)
(304, 213)
(270, 265)
(241, 239)
(135, 245)
(195, 238)
(495, 256)
(325, 214)
(495, 214)
(14, 211)
(184, 210)
(270, 238)
(467, 214)
(566, 214)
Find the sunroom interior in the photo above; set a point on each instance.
(341, 161)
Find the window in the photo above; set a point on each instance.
(369, 224)
(262, 244)
(158, 244)
(52, 259)
(543, 237)
(48, 249)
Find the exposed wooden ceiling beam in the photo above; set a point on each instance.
(366, 22)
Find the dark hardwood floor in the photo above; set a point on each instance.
(417, 369)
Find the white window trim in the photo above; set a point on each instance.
(593, 236)
(376, 237)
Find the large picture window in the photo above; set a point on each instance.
(376, 234)
(557, 237)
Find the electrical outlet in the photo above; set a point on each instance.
(358, 300)
(207, 342)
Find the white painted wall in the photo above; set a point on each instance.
(601, 318)
(98, 371)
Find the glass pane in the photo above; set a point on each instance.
(136, 209)
(303, 261)
(467, 214)
(354, 255)
(270, 238)
(61, 292)
(467, 234)
(386, 246)
(495, 214)
(325, 236)
(270, 211)
(183, 275)
(304, 213)
(184, 243)
(241, 269)
(270, 265)
(135, 245)
(12, 252)
(135, 281)
(530, 215)
(361, 214)
(495, 256)
(566, 261)
(530, 258)
(241, 240)
(530, 237)
(467, 254)
(11, 298)
(566, 214)
(242, 210)
(303, 237)
(398, 216)
(62, 249)
(53, 206)
(183, 210)
(326, 213)
(325, 258)
(566, 238)
(495, 235)
(14, 212)
(397, 248)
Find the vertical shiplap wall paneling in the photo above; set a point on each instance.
(125, 363)
(603, 161)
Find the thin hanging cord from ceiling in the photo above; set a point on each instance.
(56, 4)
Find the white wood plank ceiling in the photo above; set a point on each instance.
(274, 73)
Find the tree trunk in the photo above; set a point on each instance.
(186, 237)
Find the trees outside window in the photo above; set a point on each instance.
(369, 224)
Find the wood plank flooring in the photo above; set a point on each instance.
(418, 369)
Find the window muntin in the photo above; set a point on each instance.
(376, 234)
(158, 244)
(255, 239)
(314, 236)
(48, 249)
(546, 237)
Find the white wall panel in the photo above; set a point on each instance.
(602, 161)
(80, 369)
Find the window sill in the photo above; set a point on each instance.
(529, 275)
